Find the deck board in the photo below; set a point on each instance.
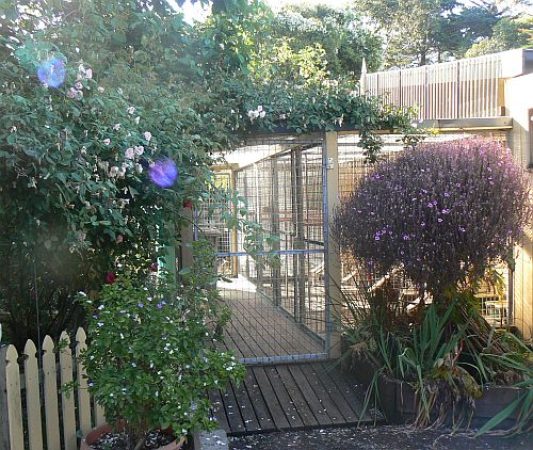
(290, 397)
(259, 329)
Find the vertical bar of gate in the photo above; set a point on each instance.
(274, 216)
(332, 264)
(298, 218)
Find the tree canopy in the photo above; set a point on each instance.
(419, 32)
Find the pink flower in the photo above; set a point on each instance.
(110, 277)
(147, 135)
(130, 153)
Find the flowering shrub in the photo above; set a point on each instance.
(441, 211)
(148, 361)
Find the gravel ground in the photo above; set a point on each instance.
(378, 438)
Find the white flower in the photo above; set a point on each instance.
(253, 115)
(138, 168)
(107, 141)
(101, 89)
(137, 120)
(139, 150)
(131, 110)
(78, 85)
(147, 135)
(116, 127)
(259, 108)
(89, 73)
(262, 114)
(121, 172)
(83, 150)
(113, 171)
(72, 93)
(130, 153)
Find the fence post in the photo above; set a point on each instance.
(51, 406)
(12, 434)
(67, 397)
(84, 401)
(332, 273)
(33, 397)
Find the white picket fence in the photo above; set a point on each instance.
(35, 412)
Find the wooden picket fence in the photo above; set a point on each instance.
(35, 413)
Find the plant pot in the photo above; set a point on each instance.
(95, 434)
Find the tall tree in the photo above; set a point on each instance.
(419, 32)
(340, 33)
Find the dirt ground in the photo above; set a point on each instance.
(378, 438)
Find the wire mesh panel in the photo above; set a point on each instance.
(277, 299)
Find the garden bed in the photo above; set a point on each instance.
(397, 399)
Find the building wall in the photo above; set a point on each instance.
(518, 103)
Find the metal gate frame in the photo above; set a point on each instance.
(331, 262)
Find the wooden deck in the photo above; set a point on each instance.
(289, 397)
(285, 396)
(260, 330)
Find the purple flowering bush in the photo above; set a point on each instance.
(441, 211)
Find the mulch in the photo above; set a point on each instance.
(387, 437)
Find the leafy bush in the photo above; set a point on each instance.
(442, 212)
(148, 359)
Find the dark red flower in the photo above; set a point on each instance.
(187, 203)
(110, 277)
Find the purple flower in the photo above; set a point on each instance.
(164, 173)
(52, 72)
(140, 305)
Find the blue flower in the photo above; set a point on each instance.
(52, 72)
(164, 173)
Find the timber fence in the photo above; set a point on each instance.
(36, 412)
(467, 88)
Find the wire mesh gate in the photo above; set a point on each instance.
(279, 309)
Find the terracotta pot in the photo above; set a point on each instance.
(95, 434)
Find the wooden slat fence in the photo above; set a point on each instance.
(35, 412)
(455, 90)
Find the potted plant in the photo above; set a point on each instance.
(149, 362)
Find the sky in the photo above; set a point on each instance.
(195, 12)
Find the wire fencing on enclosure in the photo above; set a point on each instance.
(289, 310)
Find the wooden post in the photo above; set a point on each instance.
(332, 263)
(51, 408)
(12, 434)
(170, 252)
(362, 81)
(187, 238)
(67, 397)
(33, 399)
(84, 401)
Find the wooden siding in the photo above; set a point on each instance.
(462, 89)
